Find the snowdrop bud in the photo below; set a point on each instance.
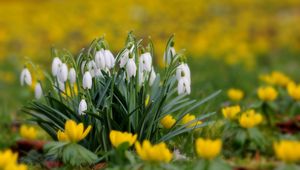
(184, 86)
(82, 107)
(87, 80)
(109, 59)
(131, 68)
(92, 68)
(38, 92)
(61, 85)
(100, 59)
(25, 77)
(146, 62)
(72, 76)
(141, 77)
(170, 53)
(55, 65)
(62, 74)
(82, 67)
(124, 58)
(152, 77)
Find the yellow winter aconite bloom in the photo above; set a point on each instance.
(188, 118)
(276, 78)
(294, 91)
(8, 161)
(207, 148)
(267, 93)
(73, 132)
(153, 153)
(235, 94)
(231, 112)
(168, 121)
(28, 132)
(117, 138)
(250, 119)
(70, 90)
(287, 150)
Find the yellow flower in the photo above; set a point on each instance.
(73, 132)
(250, 119)
(235, 94)
(147, 100)
(70, 90)
(294, 91)
(287, 150)
(276, 78)
(168, 121)
(8, 161)
(267, 93)
(188, 118)
(207, 148)
(27, 132)
(231, 112)
(153, 153)
(117, 138)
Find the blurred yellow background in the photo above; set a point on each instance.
(234, 30)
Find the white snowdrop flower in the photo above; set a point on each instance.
(55, 66)
(82, 107)
(100, 59)
(146, 62)
(183, 70)
(131, 68)
(184, 86)
(124, 58)
(38, 92)
(62, 73)
(109, 59)
(60, 85)
(141, 77)
(152, 77)
(72, 76)
(25, 77)
(178, 155)
(87, 80)
(92, 68)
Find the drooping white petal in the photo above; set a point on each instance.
(92, 68)
(38, 92)
(152, 77)
(60, 85)
(62, 74)
(87, 80)
(183, 70)
(146, 62)
(168, 55)
(72, 76)
(82, 107)
(184, 86)
(55, 66)
(109, 59)
(100, 59)
(124, 58)
(131, 68)
(25, 77)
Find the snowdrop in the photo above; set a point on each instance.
(183, 70)
(82, 107)
(109, 59)
(72, 76)
(25, 77)
(100, 59)
(60, 85)
(92, 67)
(145, 62)
(170, 53)
(87, 80)
(62, 73)
(184, 86)
(56, 65)
(152, 77)
(38, 92)
(131, 68)
(124, 58)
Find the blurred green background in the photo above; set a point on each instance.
(228, 43)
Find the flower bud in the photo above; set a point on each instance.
(146, 62)
(152, 77)
(109, 59)
(100, 59)
(62, 74)
(38, 92)
(72, 76)
(25, 77)
(82, 107)
(55, 65)
(87, 80)
(124, 58)
(131, 68)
